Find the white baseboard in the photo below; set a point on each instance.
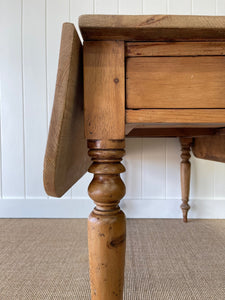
(133, 208)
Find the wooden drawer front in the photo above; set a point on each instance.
(175, 82)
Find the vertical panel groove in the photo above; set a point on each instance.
(46, 66)
(146, 167)
(46, 70)
(213, 186)
(165, 187)
(1, 194)
(70, 192)
(11, 100)
(0, 142)
(142, 146)
(23, 107)
(69, 12)
(35, 110)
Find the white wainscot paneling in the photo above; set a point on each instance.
(219, 181)
(180, 7)
(106, 7)
(35, 100)
(173, 190)
(30, 40)
(220, 7)
(132, 162)
(202, 179)
(45, 208)
(154, 6)
(11, 100)
(131, 7)
(78, 8)
(200, 209)
(80, 189)
(154, 168)
(203, 7)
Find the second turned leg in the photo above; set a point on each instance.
(106, 223)
(185, 172)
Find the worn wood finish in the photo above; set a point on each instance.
(210, 147)
(138, 49)
(181, 117)
(106, 223)
(104, 90)
(104, 99)
(183, 82)
(65, 158)
(185, 174)
(172, 92)
(152, 27)
(170, 132)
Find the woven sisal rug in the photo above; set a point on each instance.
(43, 259)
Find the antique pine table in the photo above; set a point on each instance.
(137, 76)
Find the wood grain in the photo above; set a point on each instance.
(138, 49)
(185, 174)
(175, 82)
(106, 223)
(104, 90)
(210, 147)
(181, 117)
(66, 158)
(152, 27)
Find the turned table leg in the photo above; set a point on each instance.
(106, 223)
(185, 168)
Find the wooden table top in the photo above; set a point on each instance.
(151, 27)
(66, 158)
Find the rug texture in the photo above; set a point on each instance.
(43, 259)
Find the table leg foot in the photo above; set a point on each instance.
(185, 168)
(106, 223)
